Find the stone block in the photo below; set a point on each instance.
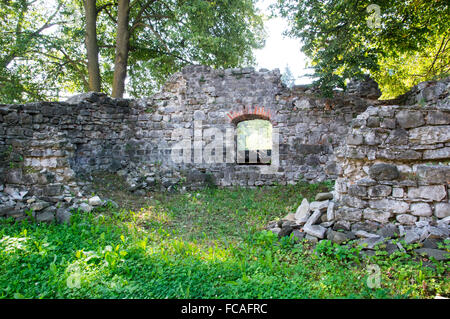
(14, 176)
(357, 190)
(421, 209)
(302, 212)
(442, 210)
(397, 192)
(389, 205)
(383, 171)
(45, 216)
(342, 225)
(314, 218)
(388, 231)
(354, 202)
(11, 118)
(432, 193)
(315, 230)
(440, 153)
(380, 216)
(323, 196)
(433, 174)
(380, 191)
(338, 237)
(320, 206)
(398, 137)
(366, 182)
(39, 205)
(430, 134)
(406, 219)
(298, 235)
(330, 211)
(438, 118)
(411, 236)
(410, 119)
(371, 242)
(348, 214)
(437, 254)
(95, 201)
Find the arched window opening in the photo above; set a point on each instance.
(254, 142)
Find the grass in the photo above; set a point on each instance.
(204, 244)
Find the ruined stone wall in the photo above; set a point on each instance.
(309, 128)
(392, 165)
(49, 149)
(395, 161)
(45, 147)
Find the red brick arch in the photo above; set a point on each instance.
(250, 113)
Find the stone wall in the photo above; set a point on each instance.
(393, 184)
(395, 162)
(200, 97)
(49, 149)
(45, 147)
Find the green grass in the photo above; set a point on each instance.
(203, 244)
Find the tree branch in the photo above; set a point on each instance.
(138, 18)
(67, 60)
(437, 54)
(99, 9)
(47, 24)
(110, 16)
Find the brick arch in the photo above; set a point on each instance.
(250, 113)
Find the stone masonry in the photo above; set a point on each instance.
(395, 162)
(393, 179)
(390, 161)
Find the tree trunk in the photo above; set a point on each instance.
(122, 42)
(90, 9)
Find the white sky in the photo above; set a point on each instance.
(279, 50)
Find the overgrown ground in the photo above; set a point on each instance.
(202, 244)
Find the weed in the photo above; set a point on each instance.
(205, 244)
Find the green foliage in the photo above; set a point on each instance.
(210, 181)
(215, 33)
(42, 52)
(339, 253)
(405, 44)
(207, 244)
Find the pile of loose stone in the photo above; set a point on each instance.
(316, 221)
(140, 179)
(148, 177)
(20, 205)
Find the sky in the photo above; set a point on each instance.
(279, 50)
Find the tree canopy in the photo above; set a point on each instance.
(43, 51)
(35, 61)
(399, 43)
(287, 77)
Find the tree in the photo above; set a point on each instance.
(24, 42)
(349, 38)
(50, 49)
(287, 77)
(90, 11)
(122, 39)
(159, 37)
